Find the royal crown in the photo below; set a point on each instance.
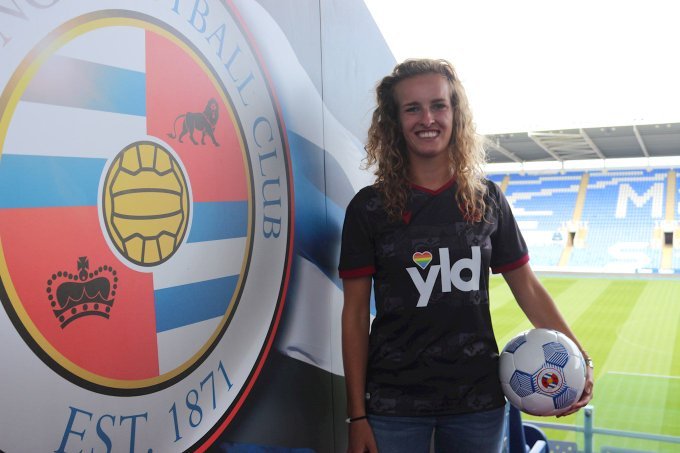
(86, 293)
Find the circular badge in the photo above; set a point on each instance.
(145, 203)
(145, 243)
(549, 380)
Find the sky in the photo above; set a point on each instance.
(530, 65)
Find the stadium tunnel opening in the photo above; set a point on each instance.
(668, 238)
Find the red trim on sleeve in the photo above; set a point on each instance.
(511, 266)
(360, 272)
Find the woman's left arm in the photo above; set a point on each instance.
(542, 312)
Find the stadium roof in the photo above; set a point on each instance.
(612, 142)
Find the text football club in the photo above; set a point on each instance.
(146, 214)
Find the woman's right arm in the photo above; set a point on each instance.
(355, 328)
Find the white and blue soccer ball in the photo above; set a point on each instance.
(542, 372)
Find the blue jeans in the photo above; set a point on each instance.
(480, 432)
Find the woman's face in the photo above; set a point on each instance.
(425, 115)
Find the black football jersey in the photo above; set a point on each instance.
(432, 349)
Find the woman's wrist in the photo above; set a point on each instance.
(355, 419)
(588, 359)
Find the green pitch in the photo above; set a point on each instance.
(631, 328)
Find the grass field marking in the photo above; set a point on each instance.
(638, 345)
(649, 375)
(572, 295)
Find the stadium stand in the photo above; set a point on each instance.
(542, 204)
(620, 211)
(675, 225)
(614, 221)
(497, 178)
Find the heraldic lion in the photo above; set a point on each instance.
(198, 121)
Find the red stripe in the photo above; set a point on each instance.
(355, 273)
(41, 242)
(511, 266)
(176, 85)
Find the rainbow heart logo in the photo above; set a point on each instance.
(422, 259)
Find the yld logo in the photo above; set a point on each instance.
(450, 274)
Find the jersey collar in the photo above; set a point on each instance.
(446, 185)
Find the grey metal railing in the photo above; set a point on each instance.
(589, 430)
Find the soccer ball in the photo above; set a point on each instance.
(542, 372)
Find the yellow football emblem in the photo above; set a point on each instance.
(146, 203)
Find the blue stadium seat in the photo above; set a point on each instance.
(523, 438)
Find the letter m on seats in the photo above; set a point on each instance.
(626, 192)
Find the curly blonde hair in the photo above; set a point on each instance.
(386, 147)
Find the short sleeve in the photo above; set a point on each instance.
(357, 246)
(509, 250)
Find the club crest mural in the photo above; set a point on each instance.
(146, 208)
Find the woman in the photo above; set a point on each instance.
(425, 234)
